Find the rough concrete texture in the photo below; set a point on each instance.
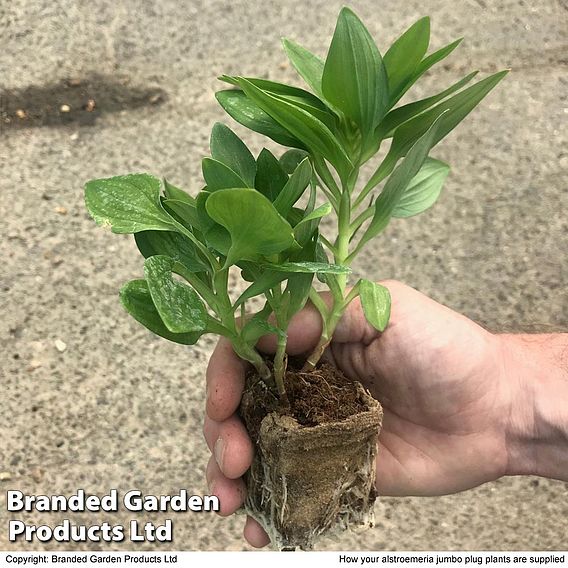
(119, 408)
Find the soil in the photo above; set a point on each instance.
(320, 396)
(314, 466)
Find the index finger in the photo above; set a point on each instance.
(225, 381)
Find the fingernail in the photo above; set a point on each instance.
(219, 452)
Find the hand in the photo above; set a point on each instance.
(437, 374)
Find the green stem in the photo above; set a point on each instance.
(341, 255)
(386, 167)
(228, 320)
(280, 363)
(250, 354)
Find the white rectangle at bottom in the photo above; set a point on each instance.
(365, 559)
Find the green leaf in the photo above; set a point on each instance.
(178, 304)
(268, 279)
(217, 237)
(306, 267)
(305, 228)
(219, 176)
(404, 56)
(451, 112)
(395, 186)
(137, 300)
(302, 125)
(309, 66)
(229, 149)
(249, 114)
(301, 275)
(174, 245)
(287, 91)
(270, 177)
(423, 190)
(173, 192)
(427, 63)
(255, 226)
(257, 327)
(298, 289)
(291, 159)
(185, 211)
(127, 204)
(354, 78)
(294, 188)
(404, 113)
(376, 303)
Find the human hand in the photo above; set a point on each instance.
(437, 374)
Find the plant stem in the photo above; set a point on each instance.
(280, 308)
(227, 315)
(280, 364)
(341, 254)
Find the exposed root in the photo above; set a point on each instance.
(309, 481)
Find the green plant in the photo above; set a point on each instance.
(247, 215)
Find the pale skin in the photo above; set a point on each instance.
(462, 406)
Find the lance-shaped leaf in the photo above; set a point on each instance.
(289, 92)
(451, 112)
(313, 133)
(270, 177)
(309, 223)
(404, 56)
(174, 245)
(404, 113)
(294, 188)
(255, 226)
(249, 114)
(428, 62)
(137, 300)
(307, 267)
(395, 186)
(354, 77)
(309, 66)
(229, 149)
(423, 190)
(376, 303)
(178, 304)
(266, 280)
(127, 204)
(219, 176)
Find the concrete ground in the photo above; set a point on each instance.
(119, 408)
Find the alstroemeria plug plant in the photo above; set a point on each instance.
(342, 123)
(314, 465)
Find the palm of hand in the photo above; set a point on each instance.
(437, 375)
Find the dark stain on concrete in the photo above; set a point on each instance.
(80, 101)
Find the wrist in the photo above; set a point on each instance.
(535, 368)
